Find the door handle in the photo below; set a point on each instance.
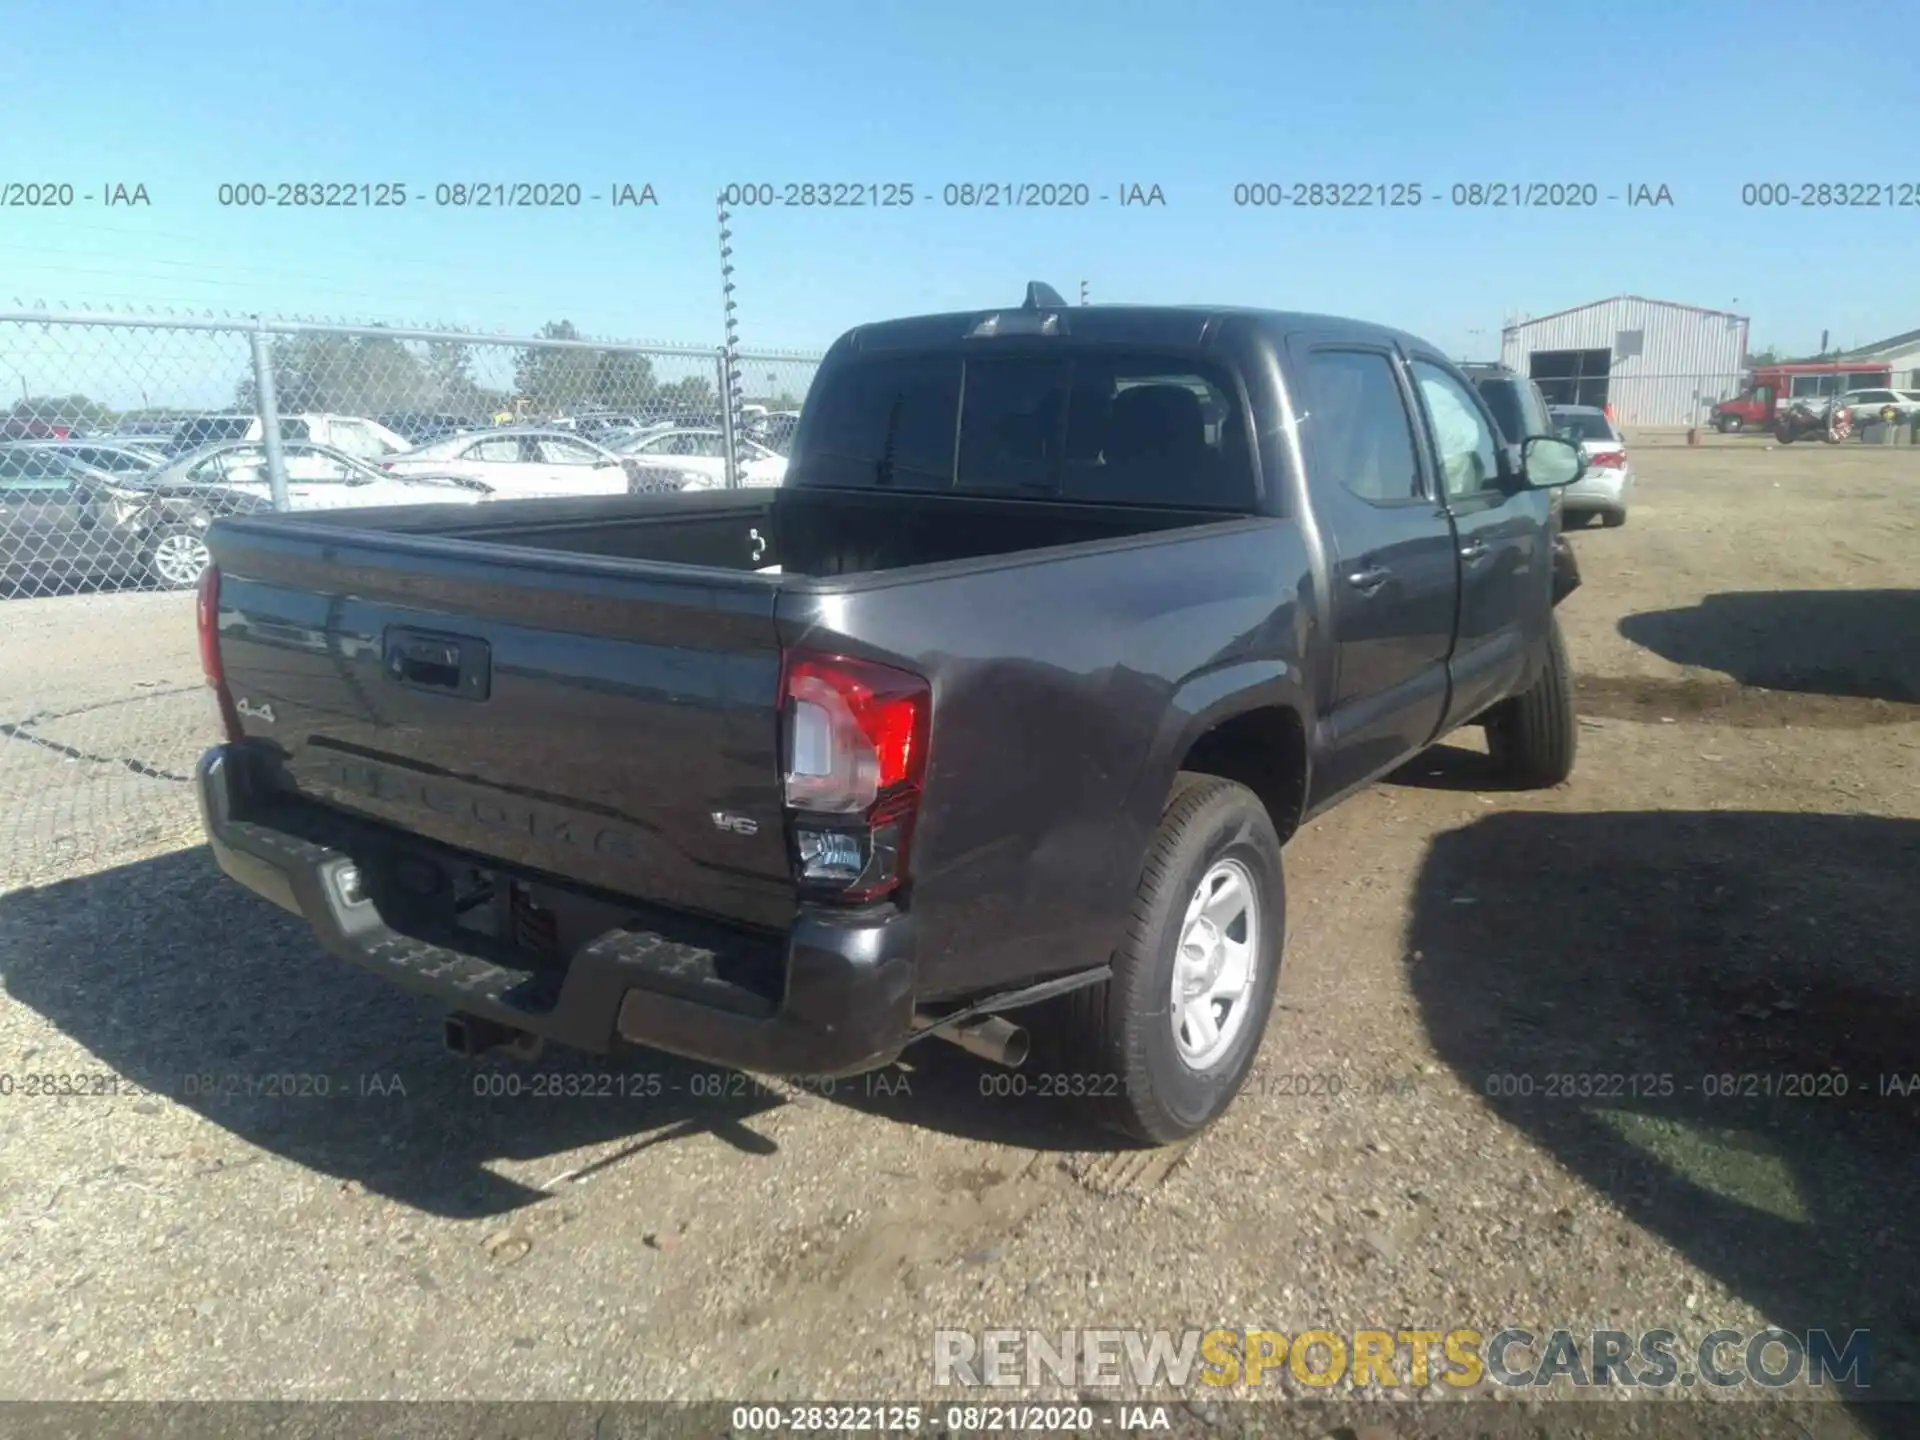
(1370, 579)
(1474, 549)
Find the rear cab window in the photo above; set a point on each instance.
(1100, 425)
(1575, 425)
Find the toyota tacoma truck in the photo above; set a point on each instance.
(1003, 705)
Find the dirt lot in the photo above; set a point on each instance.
(1729, 886)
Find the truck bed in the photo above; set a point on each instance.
(805, 533)
(588, 688)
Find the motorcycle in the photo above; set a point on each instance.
(1802, 419)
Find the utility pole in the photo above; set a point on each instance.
(1083, 292)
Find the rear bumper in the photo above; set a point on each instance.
(847, 999)
(1603, 490)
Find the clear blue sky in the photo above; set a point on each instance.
(1191, 96)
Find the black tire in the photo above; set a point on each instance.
(1534, 735)
(1730, 424)
(1122, 1030)
(1613, 519)
(1783, 434)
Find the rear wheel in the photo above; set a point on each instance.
(176, 557)
(1730, 424)
(1614, 519)
(1172, 1034)
(1534, 735)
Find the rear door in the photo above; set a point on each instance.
(1500, 530)
(1391, 564)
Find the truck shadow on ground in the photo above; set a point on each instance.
(205, 995)
(1858, 644)
(1659, 958)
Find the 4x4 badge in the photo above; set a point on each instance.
(254, 712)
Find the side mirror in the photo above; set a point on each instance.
(1550, 461)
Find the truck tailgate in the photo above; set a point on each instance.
(608, 722)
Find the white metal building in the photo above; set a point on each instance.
(1654, 362)
(1901, 355)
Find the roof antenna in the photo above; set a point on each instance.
(1041, 296)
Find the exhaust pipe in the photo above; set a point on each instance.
(991, 1038)
(472, 1036)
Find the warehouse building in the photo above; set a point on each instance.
(1899, 353)
(1654, 362)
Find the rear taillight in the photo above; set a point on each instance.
(1607, 460)
(855, 739)
(207, 618)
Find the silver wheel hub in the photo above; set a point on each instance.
(1215, 965)
(180, 559)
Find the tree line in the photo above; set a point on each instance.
(374, 374)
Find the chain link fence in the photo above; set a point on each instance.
(131, 434)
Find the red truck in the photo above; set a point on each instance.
(1769, 389)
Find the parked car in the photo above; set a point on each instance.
(1606, 489)
(702, 453)
(364, 439)
(1892, 407)
(992, 704)
(423, 427)
(63, 520)
(230, 478)
(522, 461)
(615, 439)
(778, 434)
(15, 428)
(113, 458)
(598, 425)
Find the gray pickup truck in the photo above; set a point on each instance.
(1004, 704)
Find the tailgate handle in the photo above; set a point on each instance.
(453, 665)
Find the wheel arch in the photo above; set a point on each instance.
(1246, 723)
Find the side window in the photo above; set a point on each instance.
(29, 476)
(356, 439)
(556, 451)
(1465, 443)
(244, 465)
(1358, 425)
(1537, 422)
(1156, 430)
(707, 447)
(1011, 424)
(498, 449)
(294, 430)
(889, 421)
(313, 465)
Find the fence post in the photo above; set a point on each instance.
(727, 418)
(264, 402)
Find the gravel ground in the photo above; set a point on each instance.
(1727, 886)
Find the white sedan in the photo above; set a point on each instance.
(702, 453)
(521, 461)
(1607, 487)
